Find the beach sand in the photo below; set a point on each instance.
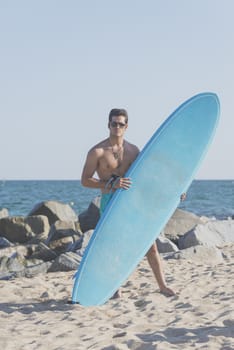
(35, 314)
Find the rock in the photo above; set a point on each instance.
(39, 224)
(38, 238)
(62, 245)
(3, 264)
(6, 276)
(61, 229)
(5, 243)
(165, 245)
(22, 250)
(180, 223)
(4, 213)
(12, 264)
(17, 266)
(15, 229)
(54, 211)
(43, 252)
(18, 229)
(65, 262)
(199, 254)
(89, 218)
(63, 235)
(35, 268)
(213, 233)
(80, 246)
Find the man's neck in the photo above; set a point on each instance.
(119, 141)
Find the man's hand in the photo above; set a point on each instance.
(123, 182)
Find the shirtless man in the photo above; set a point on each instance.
(113, 156)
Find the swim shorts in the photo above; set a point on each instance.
(105, 198)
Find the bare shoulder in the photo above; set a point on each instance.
(132, 148)
(99, 148)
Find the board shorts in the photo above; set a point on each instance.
(105, 199)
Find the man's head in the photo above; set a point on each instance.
(117, 112)
(118, 122)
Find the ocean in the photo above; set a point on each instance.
(212, 198)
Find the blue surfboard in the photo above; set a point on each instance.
(134, 218)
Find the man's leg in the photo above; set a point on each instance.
(155, 263)
(105, 198)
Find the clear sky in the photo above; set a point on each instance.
(65, 63)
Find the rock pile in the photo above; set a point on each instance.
(53, 238)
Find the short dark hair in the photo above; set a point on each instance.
(116, 112)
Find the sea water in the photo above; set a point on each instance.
(212, 198)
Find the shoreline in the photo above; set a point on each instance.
(204, 196)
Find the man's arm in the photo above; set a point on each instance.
(90, 167)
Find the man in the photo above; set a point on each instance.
(110, 159)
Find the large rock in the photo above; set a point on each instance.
(18, 229)
(62, 245)
(80, 245)
(34, 268)
(165, 245)
(199, 254)
(54, 211)
(61, 229)
(22, 250)
(89, 218)
(62, 236)
(43, 252)
(213, 233)
(39, 225)
(4, 243)
(180, 223)
(4, 213)
(17, 266)
(12, 264)
(65, 262)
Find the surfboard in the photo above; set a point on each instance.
(134, 218)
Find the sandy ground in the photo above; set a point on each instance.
(35, 314)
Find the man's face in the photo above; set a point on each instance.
(117, 125)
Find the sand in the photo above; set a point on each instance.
(35, 314)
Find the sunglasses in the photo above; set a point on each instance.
(115, 124)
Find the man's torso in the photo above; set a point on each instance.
(110, 162)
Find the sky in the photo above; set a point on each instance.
(65, 64)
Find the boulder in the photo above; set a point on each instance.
(165, 245)
(199, 254)
(54, 211)
(62, 245)
(180, 223)
(61, 229)
(80, 246)
(18, 229)
(17, 266)
(34, 268)
(15, 229)
(12, 264)
(43, 252)
(89, 218)
(4, 213)
(6, 276)
(65, 262)
(4, 243)
(39, 224)
(22, 250)
(213, 233)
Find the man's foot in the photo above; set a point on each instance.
(168, 292)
